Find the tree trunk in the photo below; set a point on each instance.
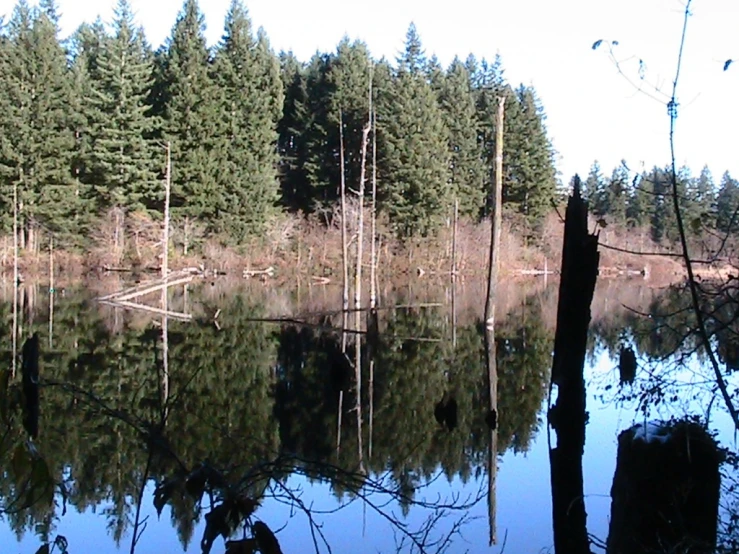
(567, 417)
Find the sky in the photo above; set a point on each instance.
(593, 111)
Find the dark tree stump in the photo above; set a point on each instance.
(665, 491)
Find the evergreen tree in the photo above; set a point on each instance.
(415, 190)
(85, 49)
(38, 151)
(638, 203)
(185, 99)
(251, 99)
(466, 170)
(701, 197)
(348, 80)
(295, 194)
(727, 203)
(124, 159)
(595, 191)
(530, 176)
(661, 206)
(618, 186)
(488, 84)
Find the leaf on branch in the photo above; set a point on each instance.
(727, 63)
(597, 43)
(642, 69)
(614, 43)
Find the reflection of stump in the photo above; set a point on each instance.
(665, 491)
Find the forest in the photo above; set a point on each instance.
(256, 139)
(254, 135)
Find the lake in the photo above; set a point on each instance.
(161, 434)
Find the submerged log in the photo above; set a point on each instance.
(665, 490)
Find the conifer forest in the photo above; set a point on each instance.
(256, 136)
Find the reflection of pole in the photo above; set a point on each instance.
(165, 357)
(358, 376)
(496, 223)
(15, 326)
(492, 372)
(371, 405)
(338, 424)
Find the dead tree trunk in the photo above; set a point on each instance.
(580, 259)
(496, 222)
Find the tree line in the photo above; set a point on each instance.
(84, 123)
(644, 200)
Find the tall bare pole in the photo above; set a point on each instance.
(344, 247)
(494, 260)
(455, 222)
(360, 219)
(51, 292)
(15, 230)
(167, 187)
(15, 274)
(373, 215)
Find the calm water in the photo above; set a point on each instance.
(252, 404)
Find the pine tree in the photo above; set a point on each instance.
(530, 177)
(727, 203)
(415, 190)
(86, 49)
(466, 170)
(185, 99)
(251, 101)
(618, 186)
(295, 194)
(661, 206)
(348, 78)
(124, 158)
(595, 191)
(637, 209)
(38, 153)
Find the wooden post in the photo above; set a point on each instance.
(373, 232)
(15, 231)
(15, 276)
(567, 417)
(494, 259)
(455, 220)
(344, 247)
(51, 292)
(167, 186)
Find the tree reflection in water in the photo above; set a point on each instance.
(221, 418)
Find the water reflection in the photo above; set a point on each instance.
(216, 420)
(218, 414)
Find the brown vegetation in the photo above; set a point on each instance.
(309, 248)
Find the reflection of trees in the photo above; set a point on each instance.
(242, 392)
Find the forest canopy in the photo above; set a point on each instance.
(254, 134)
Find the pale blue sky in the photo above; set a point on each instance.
(592, 112)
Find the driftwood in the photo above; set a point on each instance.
(145, 308)
(269, 272)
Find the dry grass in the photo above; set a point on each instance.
(307, 249)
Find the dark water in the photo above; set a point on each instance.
(250, 409)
